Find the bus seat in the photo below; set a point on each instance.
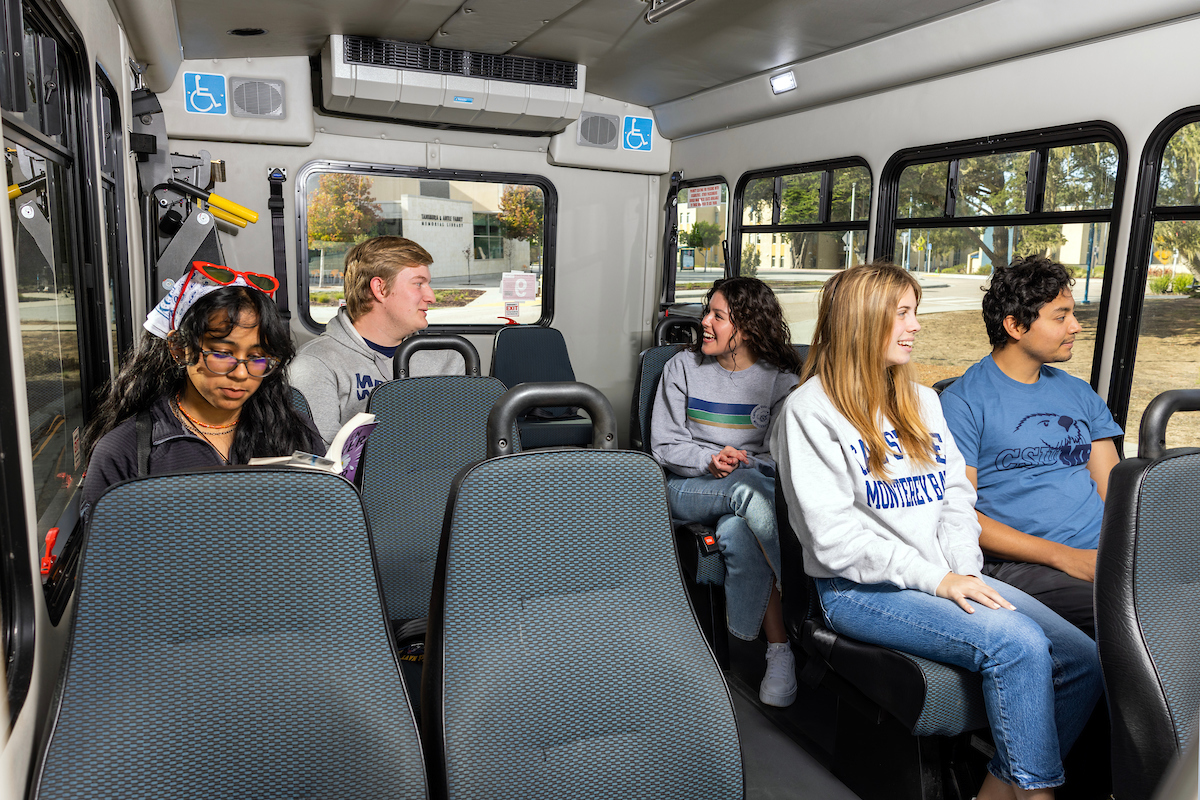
(706, 570)
(533, 354)
(434, 341)
(1147, 591)
(428, 429)
(678, 329)
(924, 698)
(945, 383)
(563, 657)
(252, 660)
(300, 403)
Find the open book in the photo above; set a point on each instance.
(344, 453)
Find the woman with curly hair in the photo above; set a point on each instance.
(709, 430)
(207, 380)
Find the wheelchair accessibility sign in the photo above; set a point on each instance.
(204, 93)
(638, 134)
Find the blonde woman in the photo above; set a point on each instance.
(878, 495)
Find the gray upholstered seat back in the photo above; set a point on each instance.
(650, 369)
(563, 658)
(429, 429)
(229, 642)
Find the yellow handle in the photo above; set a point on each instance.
(14, 191)
(232, 208)
(233, 219)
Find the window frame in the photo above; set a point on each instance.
(123, 284)
(549, 246)
(1040, 141)
(83, 256)
(1137, 259)
(671, 231)
(824, 225)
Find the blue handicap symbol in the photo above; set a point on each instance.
(638, 133)
(204, 93)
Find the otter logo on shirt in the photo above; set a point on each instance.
(1051, 439)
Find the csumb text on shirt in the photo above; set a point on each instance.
(902, 492)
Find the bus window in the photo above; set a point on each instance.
(697, 259)
(478, 230)
(798, 225)
(64, 341)
(952, 220)
(1163, 271)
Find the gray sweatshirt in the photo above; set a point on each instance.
(337, 370)
(701, 407)
(909, 532)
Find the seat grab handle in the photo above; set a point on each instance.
(1152, 435)
(525, 396)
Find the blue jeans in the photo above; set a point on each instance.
(741, 508)
(1041, 674)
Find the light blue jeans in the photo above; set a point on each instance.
(1041, 674)
(741, 508)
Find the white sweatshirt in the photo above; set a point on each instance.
(910, 532)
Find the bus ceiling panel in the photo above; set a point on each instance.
(259, 100)
(711, 42)
(300, 27)
(497, 26)
(154, 38)
(983, 34)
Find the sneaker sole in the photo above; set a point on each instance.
(778, 700)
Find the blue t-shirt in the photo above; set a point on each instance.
(1030, 444)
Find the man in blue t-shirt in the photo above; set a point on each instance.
(1037, 442)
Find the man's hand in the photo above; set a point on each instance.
(727, 461)
(961, 588)
(1077, 563)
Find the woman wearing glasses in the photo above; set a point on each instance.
(207, 383)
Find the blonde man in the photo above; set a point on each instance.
(388, 292)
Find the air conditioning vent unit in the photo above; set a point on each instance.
(414, 81)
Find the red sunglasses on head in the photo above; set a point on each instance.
(224, 276)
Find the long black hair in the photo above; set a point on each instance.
(755, 312)
(268, 425)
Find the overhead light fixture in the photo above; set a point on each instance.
(783, 82)
(660, 8)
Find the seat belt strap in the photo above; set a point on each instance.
(277, 176)
(143, 427)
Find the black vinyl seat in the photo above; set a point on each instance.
(563, 659)
(533, 354)
(228, 641)
(1147, 593)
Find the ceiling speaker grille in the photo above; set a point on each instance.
(423, 58)
(257, 98)
(598, 130)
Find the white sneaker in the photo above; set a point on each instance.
(779, 684)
